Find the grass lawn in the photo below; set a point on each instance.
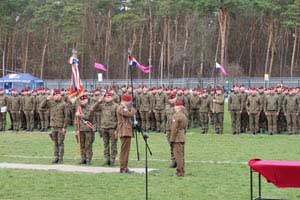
(204, 180)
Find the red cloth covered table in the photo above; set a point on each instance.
(283, 174)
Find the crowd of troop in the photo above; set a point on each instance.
(167, 110)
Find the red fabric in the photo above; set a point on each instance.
(283, 174)
(179, 103)
(126, 97)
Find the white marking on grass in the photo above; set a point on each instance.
(68, 168)
(217, 162)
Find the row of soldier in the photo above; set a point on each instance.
(259, 110)
(274, 113)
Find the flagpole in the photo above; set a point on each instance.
(94, 75)
(150, 73)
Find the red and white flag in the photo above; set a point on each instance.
(76, 87)
(218, 66)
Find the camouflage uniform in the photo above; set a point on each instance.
(263, 122)
(58, 122)
(144, 106)
(36, 117)
(152, 115)
(96, 114)
(108, 111)
(253, 108)
(86, 132)
(43, 113)
(290, 109)
(235, 109)
(271, 108)
(218, 110)
(28, 108)
(244, 115)
(194, 110)
(160, 111)
(15, 109)
(205, 106)
(281, 119)
(187, 105)
(22, 113)
(3, 103)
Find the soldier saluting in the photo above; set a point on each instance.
(85, 129)
(58, 123)
(108, 111)
(125, 112)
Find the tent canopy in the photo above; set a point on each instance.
(20, 81)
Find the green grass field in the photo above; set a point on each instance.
(203, 181)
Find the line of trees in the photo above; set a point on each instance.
(180, 38)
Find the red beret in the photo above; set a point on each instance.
(83, 97)
(179, 103)
(242, 85)
(126, 97)
(261, 87)
(56, 91)
(172, 95)
(218, 88)
(14, 90)
(108, 94)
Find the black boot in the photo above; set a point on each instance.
(82, 162)
(107, 162)
(88, 162)
(60, 161)
(112, 163)
(173, 164)
(55, 161)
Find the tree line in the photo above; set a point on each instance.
(179, 38)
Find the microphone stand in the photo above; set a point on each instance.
(137, 129)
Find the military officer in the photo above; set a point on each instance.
(205, 109)
(125, 112)
(271, 108)
(169, 114)
(85, 128)
(290, 109)
(3, 107)
(235, 109)
(253, 108)
(59, 123)
(160, 102)
(177, 136)
(15, 109)
(108, 111)
(144, 105)
(218, 110)
(28, 108)
(194, 108)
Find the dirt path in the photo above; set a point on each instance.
(68, 168)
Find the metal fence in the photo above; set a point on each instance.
(187, 82)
